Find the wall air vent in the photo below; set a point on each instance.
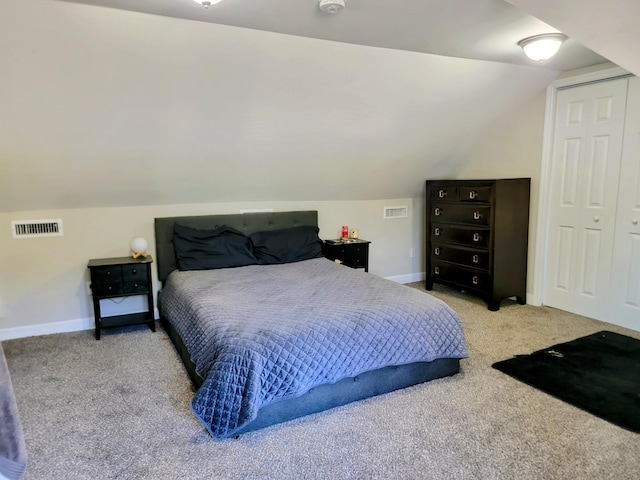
(36, 228)
(396, 212)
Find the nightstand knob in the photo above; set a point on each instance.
(134, 271)
(108, 274)
(135, 285)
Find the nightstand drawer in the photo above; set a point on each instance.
(135, 286)
(107, 280)
(134, 279)
(107, 274)
(354, 254)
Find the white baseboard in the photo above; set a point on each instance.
(47, 328)
(408, 278)
(64, 326)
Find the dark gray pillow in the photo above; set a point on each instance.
(222, 247)
(286, 245)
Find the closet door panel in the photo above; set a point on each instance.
(583, 195)
(625, 272)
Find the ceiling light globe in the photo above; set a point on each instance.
(542, 47)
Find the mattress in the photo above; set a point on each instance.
(260, 334)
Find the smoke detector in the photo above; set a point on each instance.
(331, 6)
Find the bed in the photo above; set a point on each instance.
(291, 333)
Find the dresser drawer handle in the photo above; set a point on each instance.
(442, 193)
(473, 194)
(135, 285)
(436, 231)
(108, 273)
(474, 279)
(437, 212)
(437, 251)
(436, 270)
(477, 215)
(475, 259)
(134, 271)
(476, 237)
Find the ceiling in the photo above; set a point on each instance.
(474, 29)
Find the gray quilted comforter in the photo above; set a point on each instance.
(261, 333)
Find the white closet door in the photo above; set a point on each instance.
(625, 278)
(583, 195)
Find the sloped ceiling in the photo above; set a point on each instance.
(477, 29)
(106, 107)
(609, 28)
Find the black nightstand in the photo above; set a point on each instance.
(353, 252)
(121, 277)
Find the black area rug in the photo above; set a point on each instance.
(599, 373)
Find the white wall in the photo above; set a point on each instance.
(104, 107)
(111, 118)
(43, 280)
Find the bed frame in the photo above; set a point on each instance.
(317, 399)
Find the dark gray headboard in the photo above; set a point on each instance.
(247, 223)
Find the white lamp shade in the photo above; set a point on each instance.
(139, 245)
(542, 47)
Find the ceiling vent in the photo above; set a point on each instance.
(36, 228)
(396, 212)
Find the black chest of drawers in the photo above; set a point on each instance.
(121, 277)
(477, 237)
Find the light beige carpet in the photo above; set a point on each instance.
(119, 408)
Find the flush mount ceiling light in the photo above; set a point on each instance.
(542, 47)
(207, 3)
(330, 6)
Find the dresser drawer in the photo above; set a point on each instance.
(464, 277)
(444, 194)
(475, 194)
(469, 214)
(460, 255)
(461, 235)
